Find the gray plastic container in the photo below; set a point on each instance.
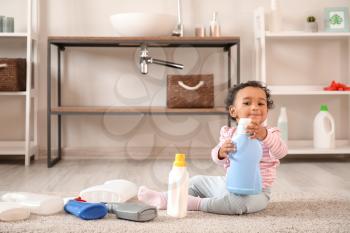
(138, 212)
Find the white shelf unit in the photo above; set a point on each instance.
(28, 146)
(299, 147)
(24, 35)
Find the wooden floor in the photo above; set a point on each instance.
(71, 176)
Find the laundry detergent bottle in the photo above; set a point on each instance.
(324, 129)
(178, 188)
(243, 175)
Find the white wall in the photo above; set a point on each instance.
(111, 76)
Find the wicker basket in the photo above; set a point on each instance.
(12, 74)
(190, 91)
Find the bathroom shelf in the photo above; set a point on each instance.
(301, 34)
(300, 147)
(28, 145)
(62, 42)
(14, 34)
(307, 93)
(23, 35)
(303, 90)
(162, 41)
(136, 110)
(18, 93)
(16, 148)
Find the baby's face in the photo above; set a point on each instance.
(250, 102)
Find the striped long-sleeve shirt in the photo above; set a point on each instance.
(273, 149)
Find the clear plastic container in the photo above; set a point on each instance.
(111, 191)
(37, 203)
(10, 211)
(178, 188)
(214, 27)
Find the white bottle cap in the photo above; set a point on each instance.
(244, 122)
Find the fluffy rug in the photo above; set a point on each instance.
(301, 212)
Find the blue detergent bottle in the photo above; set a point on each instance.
(243, 176)
(86, 210)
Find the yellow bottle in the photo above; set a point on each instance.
(178, 188)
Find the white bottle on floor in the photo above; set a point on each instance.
(178, 188)
(324, 129)
(282, 124)
(37, 203)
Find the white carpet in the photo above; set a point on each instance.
(287, 212)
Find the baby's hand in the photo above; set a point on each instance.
(256, 131)
(226, 148)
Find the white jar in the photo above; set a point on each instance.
(324, 129)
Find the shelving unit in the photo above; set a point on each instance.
(61, 43)
(27, 147)
(299, 147)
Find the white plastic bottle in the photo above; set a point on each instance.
(324, 129)
(111, 191)
(275, 17)
(37, 203)
(214, 27)
(282, 124)
(178, 188)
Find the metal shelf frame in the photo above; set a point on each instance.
(63, 42)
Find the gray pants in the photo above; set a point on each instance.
(216, 198)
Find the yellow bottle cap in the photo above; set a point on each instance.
(180, 160)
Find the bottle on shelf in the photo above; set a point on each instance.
(214, 27)
(324, 129)
(243, 175)
(178, 188)
(275, 19)
(282, 124)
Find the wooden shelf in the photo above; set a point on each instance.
(306, 147)
(16, 148)
(163, 41)
(135, 110)
(303, 90)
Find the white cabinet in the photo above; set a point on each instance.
(301, 86)
(22, 43)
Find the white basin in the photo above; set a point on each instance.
(143, 24)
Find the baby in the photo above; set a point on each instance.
(209, 193)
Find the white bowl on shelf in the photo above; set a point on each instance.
(143, 24)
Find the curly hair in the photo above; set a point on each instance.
(232, 93)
